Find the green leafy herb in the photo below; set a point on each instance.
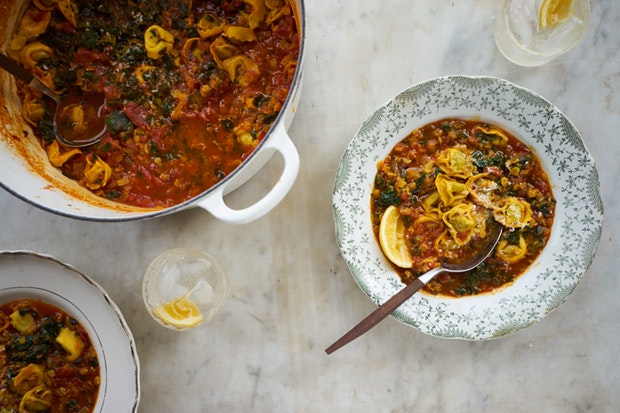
(117, 122)
(114, 194)
(387, 198)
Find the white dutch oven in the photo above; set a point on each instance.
(26, 172)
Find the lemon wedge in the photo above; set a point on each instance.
(392, 238)
(180, 312)
(554, 12)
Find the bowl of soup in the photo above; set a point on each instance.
(445, 156)
(198, 97)
(64, 344)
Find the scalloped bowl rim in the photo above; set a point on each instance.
(41, 277)
(531, 118)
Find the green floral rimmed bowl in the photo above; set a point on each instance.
(531, 118)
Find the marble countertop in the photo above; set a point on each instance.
(291, 292)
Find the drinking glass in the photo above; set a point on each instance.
(185, 273)
(522, 39)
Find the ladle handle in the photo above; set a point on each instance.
(15, 69)
(383, 311)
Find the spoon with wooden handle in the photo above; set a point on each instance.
(495, 232)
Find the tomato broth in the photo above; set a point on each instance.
(191, 88)
(447, 179)
(47, 360)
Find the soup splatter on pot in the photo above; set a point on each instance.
(191, 87)
(445, 179)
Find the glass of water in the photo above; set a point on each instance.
(526, 37)
(184, 288)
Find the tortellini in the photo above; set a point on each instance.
(241, 34)
(22, 322)
(38, 399)
(195, 50)
(464, 221)
(210, 25)
(241, 69)
(432, 212)
(57, 157)
(456, 162)
(497, 137)
(33, 110)
(157, 41)
(71, 342)
(276, 9)
(222, 50)
(97, 173)
(34, 23)
(513, 212)
(257, 14)
(482, 189)
(511, 252)
(450, 190)
(29, 377)
(33, 53)
(72, 117)
(455, 184)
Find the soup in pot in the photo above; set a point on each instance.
(191, 88)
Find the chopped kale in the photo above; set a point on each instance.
(387, 198)
(260, 99)
(228, 124)
(513, 237)
(482, 161)
(114, 194)
(33, 348)
(117, 122)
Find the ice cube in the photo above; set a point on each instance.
(202, 293)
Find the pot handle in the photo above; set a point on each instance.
(280, 142)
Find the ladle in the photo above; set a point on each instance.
(78, 120)
(495, 232)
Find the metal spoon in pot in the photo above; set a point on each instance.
(78, 120)
(494, 234)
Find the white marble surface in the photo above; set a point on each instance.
(292, 294)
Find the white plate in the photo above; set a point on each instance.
(28, 275)
(576, 229)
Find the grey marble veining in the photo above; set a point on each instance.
(292, 294)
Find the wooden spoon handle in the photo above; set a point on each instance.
(15, 69)
(376, 316)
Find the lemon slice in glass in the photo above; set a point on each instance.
(180, 312)
(392, 238)
(554, 12)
